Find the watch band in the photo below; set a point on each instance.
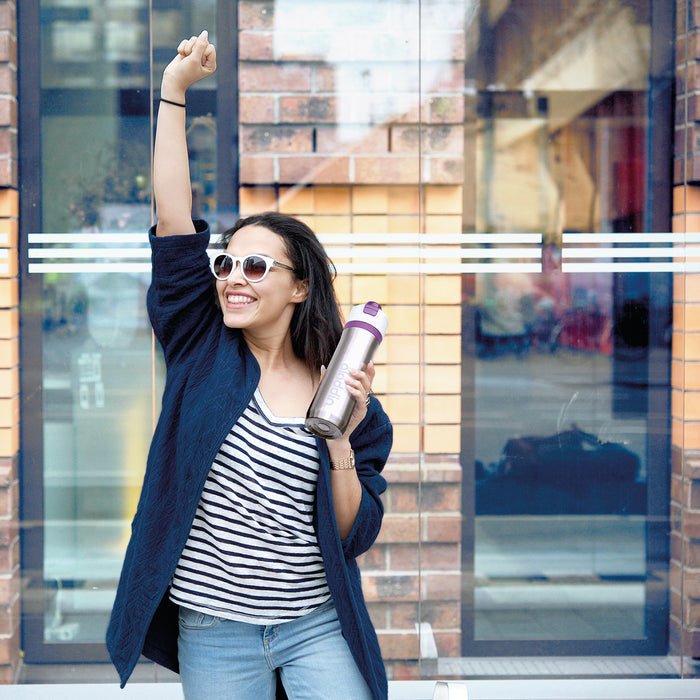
(344, 464)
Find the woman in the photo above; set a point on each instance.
(241, 565)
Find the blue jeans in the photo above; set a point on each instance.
(229, 660)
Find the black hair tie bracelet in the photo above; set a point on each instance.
(170, 102)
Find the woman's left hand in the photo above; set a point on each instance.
(359, 383)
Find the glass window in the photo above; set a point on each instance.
(88, 271)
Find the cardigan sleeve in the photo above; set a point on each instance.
(371, 443)
(181, 299)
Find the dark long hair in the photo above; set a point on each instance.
(316, 324)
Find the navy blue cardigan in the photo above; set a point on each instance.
(211, 377)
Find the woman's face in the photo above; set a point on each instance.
(266, 306)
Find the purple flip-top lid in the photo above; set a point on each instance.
(370, 317)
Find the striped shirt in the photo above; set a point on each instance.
(252, 554)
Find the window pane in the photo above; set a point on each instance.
(89, 266)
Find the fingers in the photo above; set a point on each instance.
(196, 45)
(186, 45)
(209, 58)
(359, 383)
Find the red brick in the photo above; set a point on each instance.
(440, 557)
(446, 110)
(256, 15)
(691, 611)
(9, 529)
(403, 615)
(691, 644)
(679, 144)
(693, 45)
(405, 557)
(693, 490)
(8, 79)
(399, 528)
(379, 614)
(399, 646)
(8, 172)
(441, 615)
(257, 170)
(314, 170)
(443, 469)
(676, 546)
(308, 109)
(403, 498)
(10, 557)
(691, 524)
(9, 589)
(387, 170)
(443, 586)
(691, 583)
(675, 575)
(676, 489)
(687, 108)
(256, 109)
(8, 47)
(390, 587)
(8, 471)
(326, 78)
(449, 644)
(10, 618)
(9, 499)
(403, 671)
(8, 674)
(8, 142)
(694, 164)
(676, 600)
(275, 77)
(691, 554)
(255, 47)
(678, 172)
(674, 636)
(441, 497)
(374, 559)
(446, 171)
(442, 528)
(276, 139)
(8, 111)
(676, 461)
(692, 468)
(434, 139)
(9, 649)
(8, 17)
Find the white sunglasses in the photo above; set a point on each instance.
(254, 268)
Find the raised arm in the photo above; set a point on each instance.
(196, 59)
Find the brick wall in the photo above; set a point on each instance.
(685, 484)
(9, 350)
(357, 149)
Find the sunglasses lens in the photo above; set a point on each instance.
(254, 268)
(223, 265)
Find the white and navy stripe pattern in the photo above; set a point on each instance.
(252, 554)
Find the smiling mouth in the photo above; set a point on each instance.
(237, 299)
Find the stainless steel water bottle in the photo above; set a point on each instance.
(330, 410)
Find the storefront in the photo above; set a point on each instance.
(514, 181)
